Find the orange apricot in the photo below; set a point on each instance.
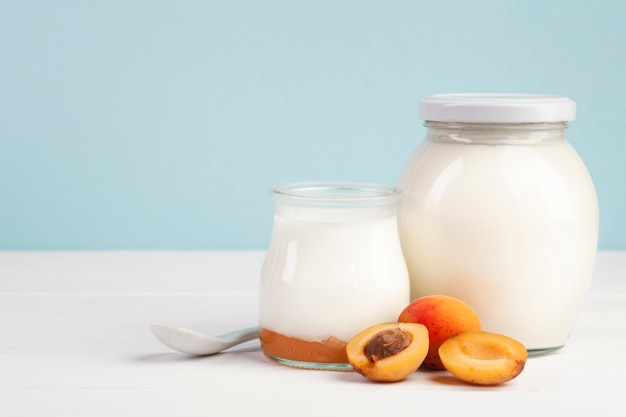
(388, 352)
(483, 358)
(444, 317)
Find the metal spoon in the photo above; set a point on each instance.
(192, 342)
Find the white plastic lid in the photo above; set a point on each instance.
(497, 108)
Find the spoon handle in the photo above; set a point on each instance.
(242, 335)
(195, 343)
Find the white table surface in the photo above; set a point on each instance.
(74, 341)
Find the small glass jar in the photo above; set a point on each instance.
(333, 268)
(499, 211)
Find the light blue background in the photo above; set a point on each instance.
(156, 124)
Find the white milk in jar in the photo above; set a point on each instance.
(334, 267)
(499, 211)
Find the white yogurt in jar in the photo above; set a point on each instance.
(333, 268)
(505, 220)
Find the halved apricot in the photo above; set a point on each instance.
(483, 358)
(388, 352)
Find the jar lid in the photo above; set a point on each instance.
(497, 108)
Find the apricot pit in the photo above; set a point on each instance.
(483, 358)
(388, 352)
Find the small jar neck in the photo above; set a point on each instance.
(495, 133)
(335, 201)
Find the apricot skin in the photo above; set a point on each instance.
(444, 317)
(483, 358)
(394, 360)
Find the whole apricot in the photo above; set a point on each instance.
(444, 317)
(483, 358)
(388, 352)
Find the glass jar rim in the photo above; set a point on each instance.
(335, 193)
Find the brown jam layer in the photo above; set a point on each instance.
(331, 350)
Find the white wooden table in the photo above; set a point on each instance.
(74, 341)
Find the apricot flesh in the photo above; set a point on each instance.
(388, 352)
(483, 358)
(444, 317)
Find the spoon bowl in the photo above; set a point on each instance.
(196, 343)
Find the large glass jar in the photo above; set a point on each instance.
(333, 268)
(499, 211)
